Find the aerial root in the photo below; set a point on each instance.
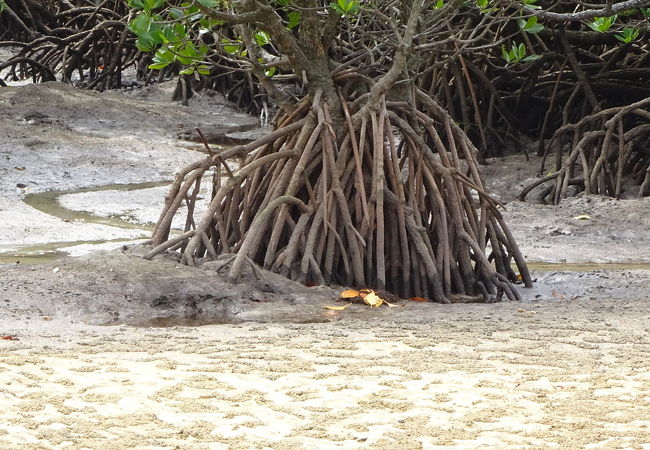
(365, 203)
(608, 151)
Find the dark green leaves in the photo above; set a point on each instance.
(294, 19)
(262, 38)
(209, 3)
(627, 35)
(232, 47)
(162, 59)
(530, 4)
(530, 25)
(517, 53)
(484, 6)
(149, 33)
(602, 24)
(146, 5)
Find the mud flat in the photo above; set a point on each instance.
(270, 367)
(56, 138)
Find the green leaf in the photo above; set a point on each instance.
(153, 4)
(337, 8)
(294, 19)
(530, 4)
(145, 44)
(627, 35)
(231, 47)
(535, 28)
(187, 71)
(136, 4)
(162, 59)
(532, 58)
(345, 7)
(521, 51)
(140, 24)
(262, 38)
(146, 5)
(208, 3)
(530, 25)
(176, 13)
(504, 54)
(602, 24)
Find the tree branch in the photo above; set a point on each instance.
(607, 11)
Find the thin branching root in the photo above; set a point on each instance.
(73, 40)
(362, 200)
(608, 153)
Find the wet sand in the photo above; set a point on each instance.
(563, 374)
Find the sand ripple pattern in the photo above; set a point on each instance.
(565, 376)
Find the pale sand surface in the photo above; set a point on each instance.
(537, 375)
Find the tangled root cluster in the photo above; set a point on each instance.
(393, 201)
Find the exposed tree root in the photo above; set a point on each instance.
(607, 151)
(365, 203)
(71, 37)
(89, 43)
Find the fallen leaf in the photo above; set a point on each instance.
(373, 300)
(556, 294)
(418, 299)
(336, 308)
(364, 292)
(582, 217)
(349, 293)
(394, 305)
(19, 168)
(9, 338)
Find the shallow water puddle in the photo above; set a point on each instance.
(48, 202)
(44, 253)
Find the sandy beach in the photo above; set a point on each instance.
(565, 375)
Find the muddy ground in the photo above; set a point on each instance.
(270, 367)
